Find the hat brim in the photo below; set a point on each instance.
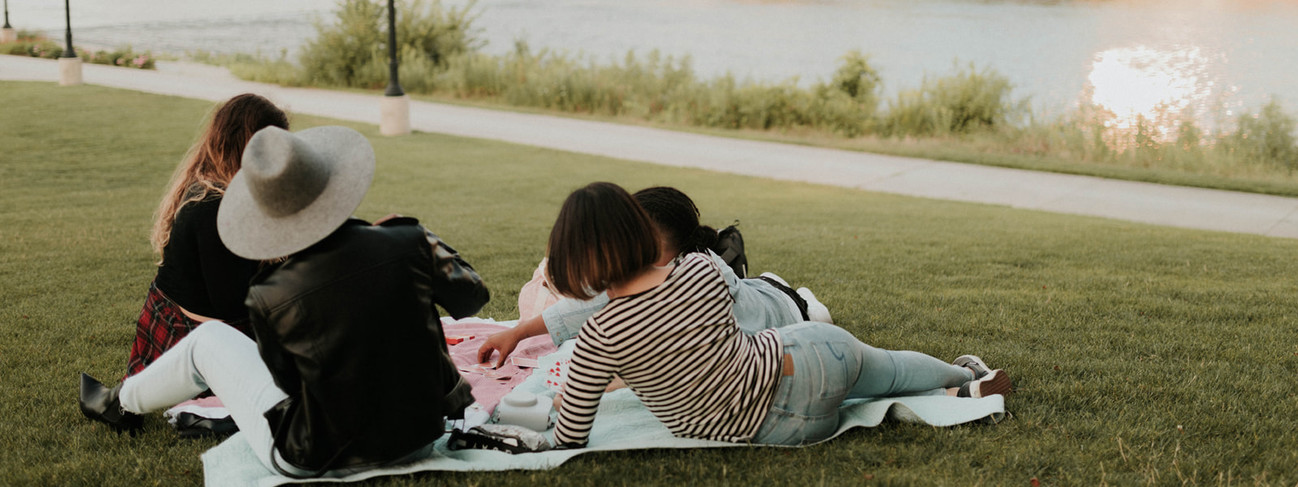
(251, 233)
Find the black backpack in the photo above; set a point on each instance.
(730, 246)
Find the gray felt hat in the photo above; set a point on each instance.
(294, 190)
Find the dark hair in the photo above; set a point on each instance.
(602, 237)
(676, 216)
(235, 122)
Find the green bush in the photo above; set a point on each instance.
(35, 45)
(1265, 137)
(352, 50)
(664, 89)
(124, 57)
(968, 101)
(858, 80)
(436, 33)
(341, 50)
(847, 105)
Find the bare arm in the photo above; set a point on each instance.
(505, 341)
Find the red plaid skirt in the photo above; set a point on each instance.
(161, 325)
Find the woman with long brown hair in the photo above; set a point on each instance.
(198, 278)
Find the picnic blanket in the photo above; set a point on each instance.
(491, 384)
(623, 423)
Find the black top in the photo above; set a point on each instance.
(198, 272)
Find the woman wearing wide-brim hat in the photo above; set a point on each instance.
(350, 369)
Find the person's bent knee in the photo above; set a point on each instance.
(215, 342)
(214, 327)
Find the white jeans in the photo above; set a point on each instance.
(218, 357)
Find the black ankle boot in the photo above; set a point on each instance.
(102, 404)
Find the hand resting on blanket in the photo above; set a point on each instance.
(505, 341)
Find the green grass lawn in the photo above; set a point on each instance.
(1141, 354)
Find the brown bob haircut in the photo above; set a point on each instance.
(602, 237)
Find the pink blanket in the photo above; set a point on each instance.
(489, 385)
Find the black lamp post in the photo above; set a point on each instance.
(394, 107)
(394, 87)
(7, 26)
(67, 12)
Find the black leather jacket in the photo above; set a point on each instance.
(348, 330)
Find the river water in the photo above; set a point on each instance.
(1210, 57)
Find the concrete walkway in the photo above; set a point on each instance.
(1140, 202)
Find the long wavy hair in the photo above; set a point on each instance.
(212, 161)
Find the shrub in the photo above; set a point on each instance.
(340, 50)
(124, 57)
(352, 50)
(1265, 137)
(858, 80)
(34, 45)
(967, 101)
(436, 33)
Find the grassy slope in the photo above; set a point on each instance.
(1142, 354)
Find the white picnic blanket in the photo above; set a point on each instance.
(623, 423)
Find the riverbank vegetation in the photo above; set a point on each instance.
(35, 45)
(1142, 355)
(969, 114)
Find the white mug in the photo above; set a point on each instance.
(524, 409)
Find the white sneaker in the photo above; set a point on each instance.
(815, 310)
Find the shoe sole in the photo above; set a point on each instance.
(126, 423)
(997, 382)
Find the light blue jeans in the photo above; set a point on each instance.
(830, 365)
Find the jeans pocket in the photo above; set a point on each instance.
(833, 365)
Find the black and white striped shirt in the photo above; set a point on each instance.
(679, 350)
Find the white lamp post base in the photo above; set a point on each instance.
(9, 35)
(69, 71)
(394, 115)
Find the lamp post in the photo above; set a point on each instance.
(394, 109)
(9, 34)
(394, 86)
(69, 63)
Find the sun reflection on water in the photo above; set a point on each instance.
(1156, 88)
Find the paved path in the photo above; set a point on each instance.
(1140, 202)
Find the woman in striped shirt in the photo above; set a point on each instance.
(669, 332)
(759, 303)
